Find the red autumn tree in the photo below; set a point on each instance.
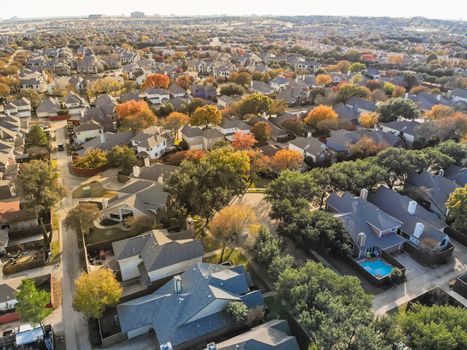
(155, 81)
(135, 115)
(243, 141)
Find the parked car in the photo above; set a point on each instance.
(61, 147)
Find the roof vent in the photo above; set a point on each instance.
(412, 207)
(361, 239)
(178, 284)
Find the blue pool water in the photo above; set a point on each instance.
(377, 267)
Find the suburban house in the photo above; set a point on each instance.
(405, 129)
(279, 83)
(369, 227)
(20, 108)
(456, 174)
(419, 226)
(223, 101)
(48, 108)
(189, 310)
(155, 172)
(32, 80)
(430, 191)
(157, 96)
(102, 112)
(8, 291)
(150, 143)
(87, 131)
(198, 138)
(106, 141)
(347, 114)
(176, 91)
(137, 198)
(261, 87)
(229, 127)
(361, 105)
(207, 92)
(312, 148)
(459, 95)
(272, 335)
(76, 106)
(153, 256)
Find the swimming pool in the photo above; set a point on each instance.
(377, 267)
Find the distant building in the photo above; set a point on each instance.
(94, 16)
(137, 14)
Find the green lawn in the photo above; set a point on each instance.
(97, 190)
(237, 258)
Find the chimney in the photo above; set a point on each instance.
(438, 97)
(136, 171)
(361, 239)
(364, 194)
(177, 284)
(308, 134)
(105, 203)
(147, 163)
(102, 137)
(441, 172)
(160, 180)
(190, 225)
(412, 207)
(418, 231)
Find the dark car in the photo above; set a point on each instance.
(61, 147)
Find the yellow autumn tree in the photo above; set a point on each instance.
(368, 119)
(319, 114)
(96, 290)
(232, 225)
(323, 79)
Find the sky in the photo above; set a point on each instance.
(446, 9)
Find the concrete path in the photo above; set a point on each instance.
(421, 279)
(74, 324)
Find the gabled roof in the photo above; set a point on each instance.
(406, 126)
(234, 123)
(157, 250)
(272, 335)
(110, 141)
(397, 205)
(185, 316)
(155, 171)
(432, 188)
(359, 215)
(457, 174)
(49, 105)
(90, 125)
(308, 144)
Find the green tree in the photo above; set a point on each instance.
(96, 290)
(318, 230)
(280, 263)
(397, 107)
(32, 303)
(237, 310)
(435, 327)
(397, 163)
(266, 247)
(206, 115)
(255, 104)
(206, 185)
(122, 156)
(39, 182)
(346, 91)
(357, 67)
(94, 158)
(457, 205)
(291, 190)
(334, 308)
(232, 89)
(37, 137)
(458, 151)
(82, 217)
(353, 176)
(262, 132)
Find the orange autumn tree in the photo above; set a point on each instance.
(242, 141)
(323, 79)
(135, 115)
(368, 119)
(286, 159)
(154, 81)
(439, 112)
(175, 121)
(320, 114)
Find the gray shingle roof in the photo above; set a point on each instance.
(178, 318)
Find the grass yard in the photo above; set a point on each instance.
(96, 190)
(236, 258)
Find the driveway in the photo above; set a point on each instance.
(421, 279)
(74, 324)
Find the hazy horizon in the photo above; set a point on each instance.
(451, 9)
